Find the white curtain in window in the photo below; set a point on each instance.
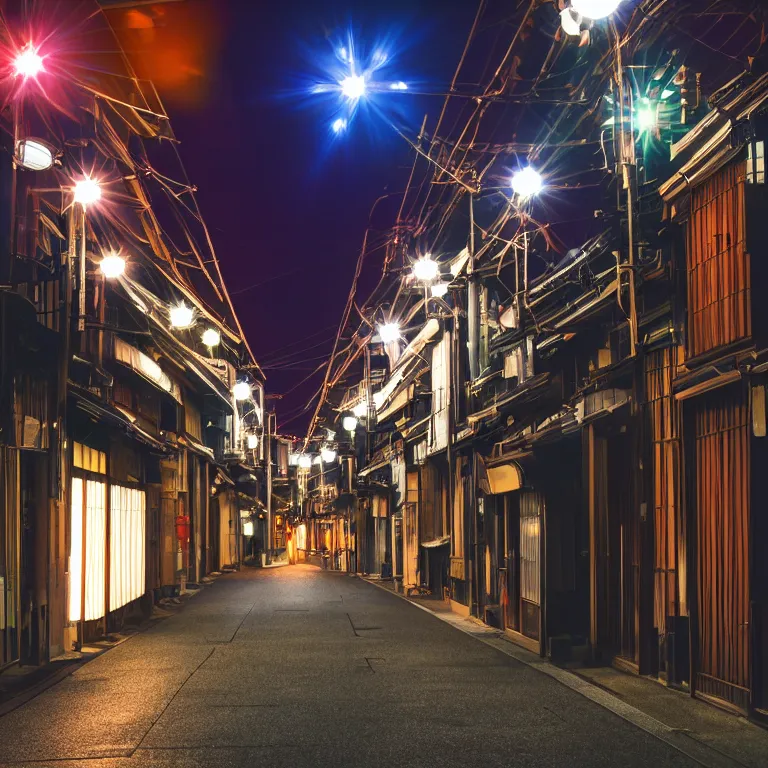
(438, 435)
(127, 519)
(530, 569)
(95, 549)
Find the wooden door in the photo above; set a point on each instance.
(722, 525)
(669, 533)
(530, 564)
(512, 597)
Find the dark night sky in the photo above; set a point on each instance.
(290, 210)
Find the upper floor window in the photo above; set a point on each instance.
(756, 162)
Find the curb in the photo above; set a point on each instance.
(674, 737)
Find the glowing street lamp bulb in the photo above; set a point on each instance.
(242, 390)
(252, 442)
(360, 410)
(349, 423)
(570, 22)
(645, 118)
(87, 191)
(389, 332)
(353, 86)
(29, 63)
(328, 455)
(426, 269)
(595, 9)
(211, 337)
(181, 316)
(526, 182)
(112, 266)
(305, 461)
(339, 125)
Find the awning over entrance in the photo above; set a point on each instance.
(441, 542)
(505, 478)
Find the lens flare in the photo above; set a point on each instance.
(353, 87)
(87, 191)
(29, 63)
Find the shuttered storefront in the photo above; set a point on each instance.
(722, 524)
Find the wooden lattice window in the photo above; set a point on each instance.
(719, 305)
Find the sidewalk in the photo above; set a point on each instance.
(20, 684)
(709, 735)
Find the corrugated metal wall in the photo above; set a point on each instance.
(722, 526)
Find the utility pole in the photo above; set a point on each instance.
(473, 327)
(270, 433)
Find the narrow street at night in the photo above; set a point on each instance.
(297, 666)
(383, 383)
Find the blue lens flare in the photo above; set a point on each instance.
(353, 79)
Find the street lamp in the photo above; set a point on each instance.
(112, 266)
(34, 155)
(360, 410)
(252, 442)
(242, 390)
(526, 182)
(570, 21)
(211, 337)
(305, 461)
(349, 423)
(595, 9)
(353, 87)
(87, 191)
(182, 316)
(328, 455)
(389, 332)
(426, 269)
(28, 63)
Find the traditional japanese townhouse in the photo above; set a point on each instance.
(717, 197)
(136, 392)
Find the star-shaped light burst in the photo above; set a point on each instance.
(28, 62)
(354, 79)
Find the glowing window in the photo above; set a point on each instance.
(89, 510)
(89, 459)
(127, 525)
(756, 162)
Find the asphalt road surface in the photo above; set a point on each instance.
(300, 667)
